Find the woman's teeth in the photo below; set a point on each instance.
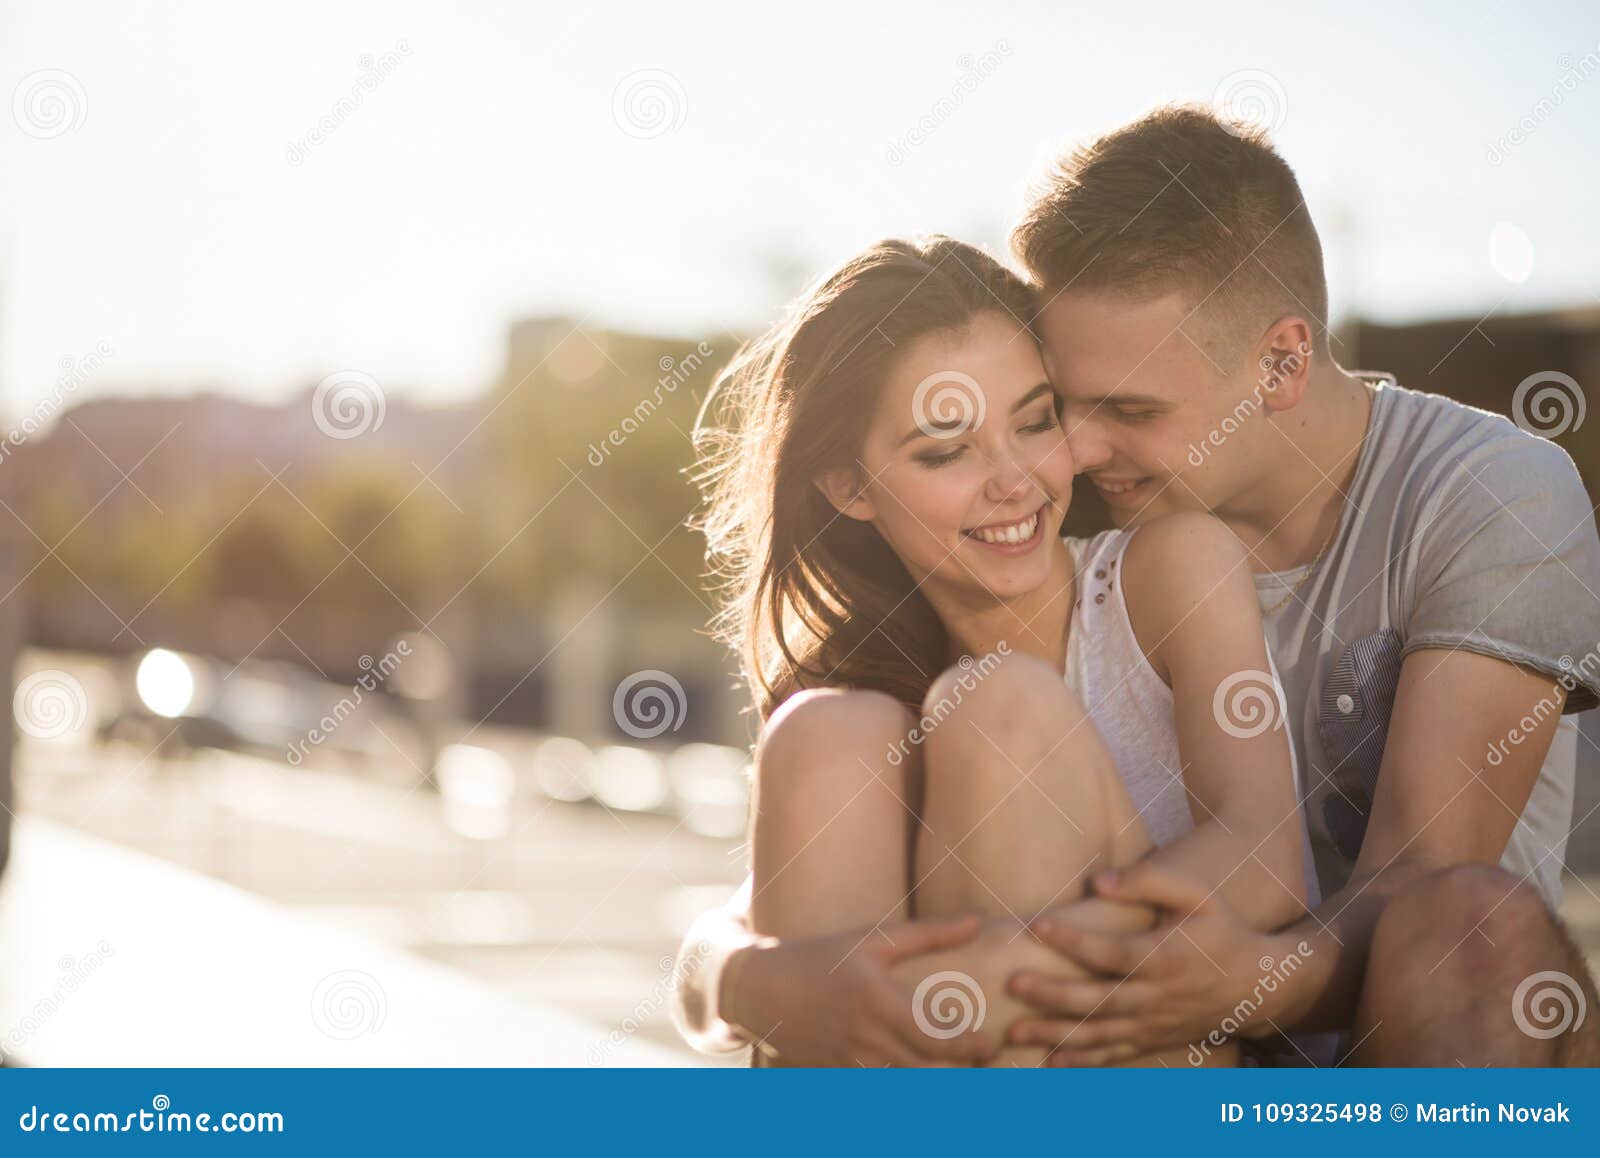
(1019, 532)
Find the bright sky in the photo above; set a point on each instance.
(497, 170)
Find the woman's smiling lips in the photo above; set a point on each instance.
(1014, 538)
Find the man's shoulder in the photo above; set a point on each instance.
(1441, 446)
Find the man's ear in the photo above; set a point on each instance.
(842, 488)
(1283, 363)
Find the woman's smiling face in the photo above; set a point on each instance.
(965, 471)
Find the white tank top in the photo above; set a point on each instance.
(1126, 699)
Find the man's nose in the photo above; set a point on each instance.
(1086, 441)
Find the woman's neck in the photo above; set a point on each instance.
(1034, 623)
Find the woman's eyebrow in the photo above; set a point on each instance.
(1038, 391)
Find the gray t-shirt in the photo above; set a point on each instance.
(1460, 531)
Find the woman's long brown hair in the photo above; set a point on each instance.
(811, 597)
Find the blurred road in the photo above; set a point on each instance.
(576, 906)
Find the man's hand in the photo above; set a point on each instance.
(1199, 971)
(833, 1001)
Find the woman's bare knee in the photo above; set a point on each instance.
(831, 815)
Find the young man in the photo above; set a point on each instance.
(1428, 575)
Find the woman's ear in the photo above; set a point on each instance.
(842, 488)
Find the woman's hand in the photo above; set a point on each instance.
(834, 1001)
(1201, 976)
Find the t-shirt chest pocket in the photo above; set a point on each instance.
(1353, 721)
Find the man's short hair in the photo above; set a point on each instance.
(1180, 200)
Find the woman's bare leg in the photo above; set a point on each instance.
(835, 797)
(1022, 805)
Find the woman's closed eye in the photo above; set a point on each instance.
(935, 461)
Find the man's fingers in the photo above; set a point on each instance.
(911, 938)
(1145, 883)
(1070, 997)
(925, 1035)
(1101, 952)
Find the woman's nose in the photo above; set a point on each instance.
(1009, 477)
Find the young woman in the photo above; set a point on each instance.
(962, 710)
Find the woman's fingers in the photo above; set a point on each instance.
(1100, 952)
(1149, 884)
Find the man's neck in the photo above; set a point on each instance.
(1307, 463)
